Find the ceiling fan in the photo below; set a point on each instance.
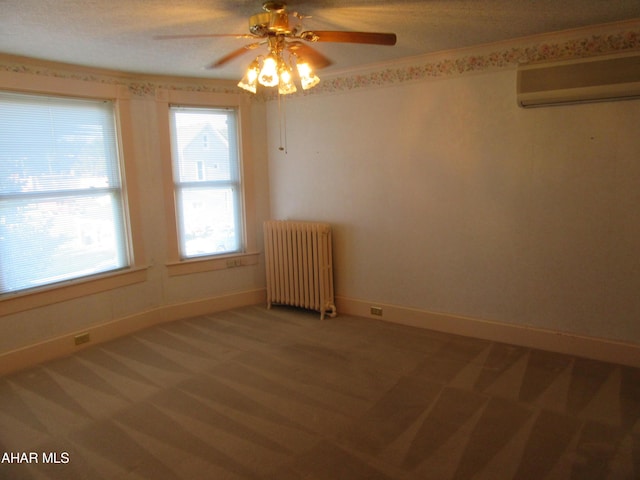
(287, 44)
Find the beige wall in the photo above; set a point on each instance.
(447, 197)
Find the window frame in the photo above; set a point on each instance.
(182, 185)
(248, 255)
(135, 272)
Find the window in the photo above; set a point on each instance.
(206, 175)
(61, 201)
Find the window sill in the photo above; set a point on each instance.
(208, 264)
(40, 297)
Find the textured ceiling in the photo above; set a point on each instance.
(119, 34)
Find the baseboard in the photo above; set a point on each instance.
(582, 346)
(64, 345)
(561, 342)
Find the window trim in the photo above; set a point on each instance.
(232, 183)
(13, 302)
(176, 265)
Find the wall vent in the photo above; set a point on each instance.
(596, 79)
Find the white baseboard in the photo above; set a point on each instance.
(561, 342)
(64, 345)
(589, 347)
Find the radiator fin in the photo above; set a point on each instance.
(299, 265)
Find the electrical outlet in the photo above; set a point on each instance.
(82, 338)
(234, 262)
(376, 311)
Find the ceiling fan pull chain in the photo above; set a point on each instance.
(282, 122)
(284, 118)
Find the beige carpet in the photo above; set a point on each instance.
(278, 394)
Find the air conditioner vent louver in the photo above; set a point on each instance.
(578, 81)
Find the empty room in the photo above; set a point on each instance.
(319, 239)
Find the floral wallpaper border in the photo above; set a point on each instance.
(549, 51)
(136, 87)
(431, 67)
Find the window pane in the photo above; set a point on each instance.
(206, 176)
(203, 146)
(55, 144)
(55, 239)
(208, 221)
(61, 208)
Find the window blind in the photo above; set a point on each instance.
(61, 204)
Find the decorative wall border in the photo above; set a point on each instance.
(139, 85)
(580, 43)
(459, 63)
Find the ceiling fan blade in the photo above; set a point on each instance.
(373, 38)
(204, 35)
(311, 55)
(236, 53)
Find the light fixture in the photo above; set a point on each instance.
(308, 79)
(285, 85)
(250, 80)
(269, 73)
(275, 70)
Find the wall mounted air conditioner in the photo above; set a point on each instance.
(596, 79)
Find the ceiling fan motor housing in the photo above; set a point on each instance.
(273, 23)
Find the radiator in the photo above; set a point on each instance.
(298, 258)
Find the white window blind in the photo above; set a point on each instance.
(61, 206)
(206, 174)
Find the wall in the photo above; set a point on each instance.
(38, 332)
(447, 197)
